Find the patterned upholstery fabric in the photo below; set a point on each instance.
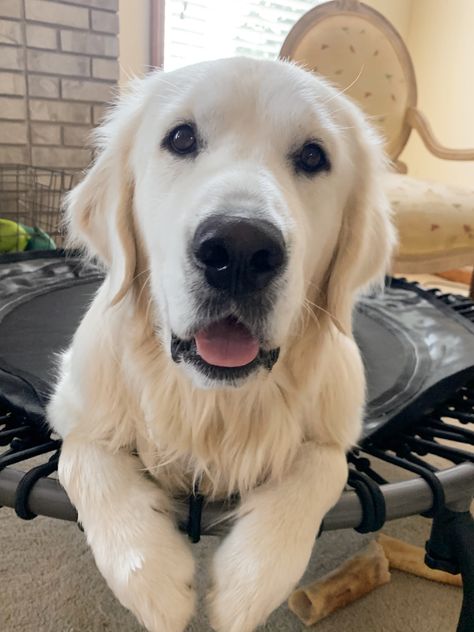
(435, 223)
(356, 56)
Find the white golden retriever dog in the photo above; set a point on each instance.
(238, 208)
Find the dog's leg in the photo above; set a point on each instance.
(144, 559)
(267, 551)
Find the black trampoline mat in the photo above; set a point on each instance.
(412, 346)
(384, 370)
(37, 329)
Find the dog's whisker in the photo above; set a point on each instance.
(376, 116)
(129, 74)
(114, 353)
(366, 116)
(344, 90)
(148, 308)
(344, 129)
(331, 316)
(144, 285)
(176, 90)
(312, 283)
(311, 314)
(146, 271)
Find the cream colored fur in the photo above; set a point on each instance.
(279, 438)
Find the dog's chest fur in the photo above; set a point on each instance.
(225, 442)
(228, 440)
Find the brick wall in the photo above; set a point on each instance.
(58, 65)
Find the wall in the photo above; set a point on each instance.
(398, 12)
(441, 42)
(134, 38)
(58, 65)
(439, 36)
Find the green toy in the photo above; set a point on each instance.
(16, 237)
(13, 236)
(39, 240)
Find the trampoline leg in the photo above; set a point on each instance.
(451, 548)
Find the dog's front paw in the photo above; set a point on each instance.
(242, 596)
(162, 598)
(153, 579)
(260, 562)
(233, 607)
(249, 582)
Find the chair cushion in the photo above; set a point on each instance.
(435, 223)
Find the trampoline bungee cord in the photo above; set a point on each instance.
(418, 350)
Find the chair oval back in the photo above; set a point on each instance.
(359, 51)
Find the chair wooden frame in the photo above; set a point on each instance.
(322, 12)
(157, 33)
(414, 119)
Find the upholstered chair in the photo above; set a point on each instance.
(358, 50)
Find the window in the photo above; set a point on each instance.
(196, 30)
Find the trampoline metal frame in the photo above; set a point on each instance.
(445, 496)
(402, 499)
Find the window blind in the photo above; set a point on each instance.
(196, 30)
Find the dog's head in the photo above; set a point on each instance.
(250, 191)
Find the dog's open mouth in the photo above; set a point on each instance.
(225, 350)
(227, 343)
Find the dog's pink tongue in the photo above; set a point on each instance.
(227, 343)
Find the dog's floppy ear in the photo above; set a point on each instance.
(367, 237)
(99, 210)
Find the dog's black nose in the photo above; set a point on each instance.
(238, 255)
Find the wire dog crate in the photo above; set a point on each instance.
(32, 196)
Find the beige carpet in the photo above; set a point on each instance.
(49, 583)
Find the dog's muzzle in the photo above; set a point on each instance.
(237, 261)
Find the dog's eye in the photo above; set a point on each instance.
(311, 158)
(182, 139)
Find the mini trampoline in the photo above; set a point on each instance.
(418, 351)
